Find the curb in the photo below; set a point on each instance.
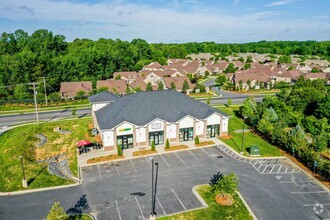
(247, 206)
(39, 190)
(309, 175)
(155, 154)
(205, 205)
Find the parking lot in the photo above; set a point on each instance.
(284, 187)
(273, 188)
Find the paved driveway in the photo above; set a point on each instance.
(122, 190)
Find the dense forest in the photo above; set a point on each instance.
(25, 58)
(297, 119)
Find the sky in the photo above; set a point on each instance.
(171, 21)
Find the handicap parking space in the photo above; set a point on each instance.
(215, 152)
(201, 155)
(274, 166)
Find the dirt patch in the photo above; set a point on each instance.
(58, 141)
(226, 137)
(306, 169)
(90, 126)
(224, 200)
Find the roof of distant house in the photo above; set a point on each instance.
(143, 107)
(103, 97)
(315, 75)
(118, 86)
(178, 82)
(70, 89)
(153, 65)
(126, 75)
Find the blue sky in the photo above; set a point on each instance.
(177, 21)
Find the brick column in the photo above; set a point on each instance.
(115, 138)
(147, 136)
(194, 129)
(165, 132)
(134, 137)
(177, 132)
(205, 128)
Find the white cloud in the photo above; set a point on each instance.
(127, 21)
(280, 3)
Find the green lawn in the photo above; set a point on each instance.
(250, 139)
(20, 107)
(21, 141)
(214, 211)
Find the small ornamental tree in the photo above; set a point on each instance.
(185, 86)
(120, 151)
(196, 139)
(149, 86)
(222, 184)
(208, 101)
(160, 86)
(153, 147)
(74, 110)
(57, 213)
(173, 87)
(80, 94)
(167, 144)
(229, 102)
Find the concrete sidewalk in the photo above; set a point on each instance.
(128, 153)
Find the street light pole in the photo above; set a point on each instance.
(35, 101)
(153, 189)
(154, 205)
(24, 181)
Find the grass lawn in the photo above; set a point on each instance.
(214, 211)
(250, 139)
(21, 141)
(13, 107)
(202, 95)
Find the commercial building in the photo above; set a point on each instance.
(139, 119)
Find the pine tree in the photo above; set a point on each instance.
(153, 147)
(167, 144)
(120, 151)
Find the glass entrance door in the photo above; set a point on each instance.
(125, 141)
(186, 134)
(157, 137)
(212, 131)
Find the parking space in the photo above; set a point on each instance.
(175, 195)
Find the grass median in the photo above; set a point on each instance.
(250, 138)
(214, 211)
(22, 141)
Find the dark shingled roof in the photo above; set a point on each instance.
(103, 97)
(142, 107)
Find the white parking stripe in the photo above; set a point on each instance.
(255, 163)
(164, 160)
(98, 168)
(133, 165)
(279, 169)
(264, 169)
(139, 207)
(193, 155)
(178, 199)
(306, 205)
(207, 154)
(302, 181)
(309, 192)
(272, 169)
(285, 170)
(115, 165)
(148, 161)
(160, 205)
(259, 166)
(118, 210)
(179, 158)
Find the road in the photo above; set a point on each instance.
(272, 188)
(6, 120)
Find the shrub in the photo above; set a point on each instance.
(57, 212)
(120, 151)
(153, 147)
(197, 140)
(221, 183)
(74, 110)
(167, 144)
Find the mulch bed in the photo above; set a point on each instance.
(225, 200)
(143, 152)
(104, 158)
(176, 147)
(227, 137)
(204, 143)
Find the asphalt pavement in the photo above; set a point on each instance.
(122, 190)
(6, 120)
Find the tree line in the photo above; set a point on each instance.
(25, 58)
(297, 119)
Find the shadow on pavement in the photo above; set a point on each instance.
(79, 207)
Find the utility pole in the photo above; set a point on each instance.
(45, 90)
(35, 101)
